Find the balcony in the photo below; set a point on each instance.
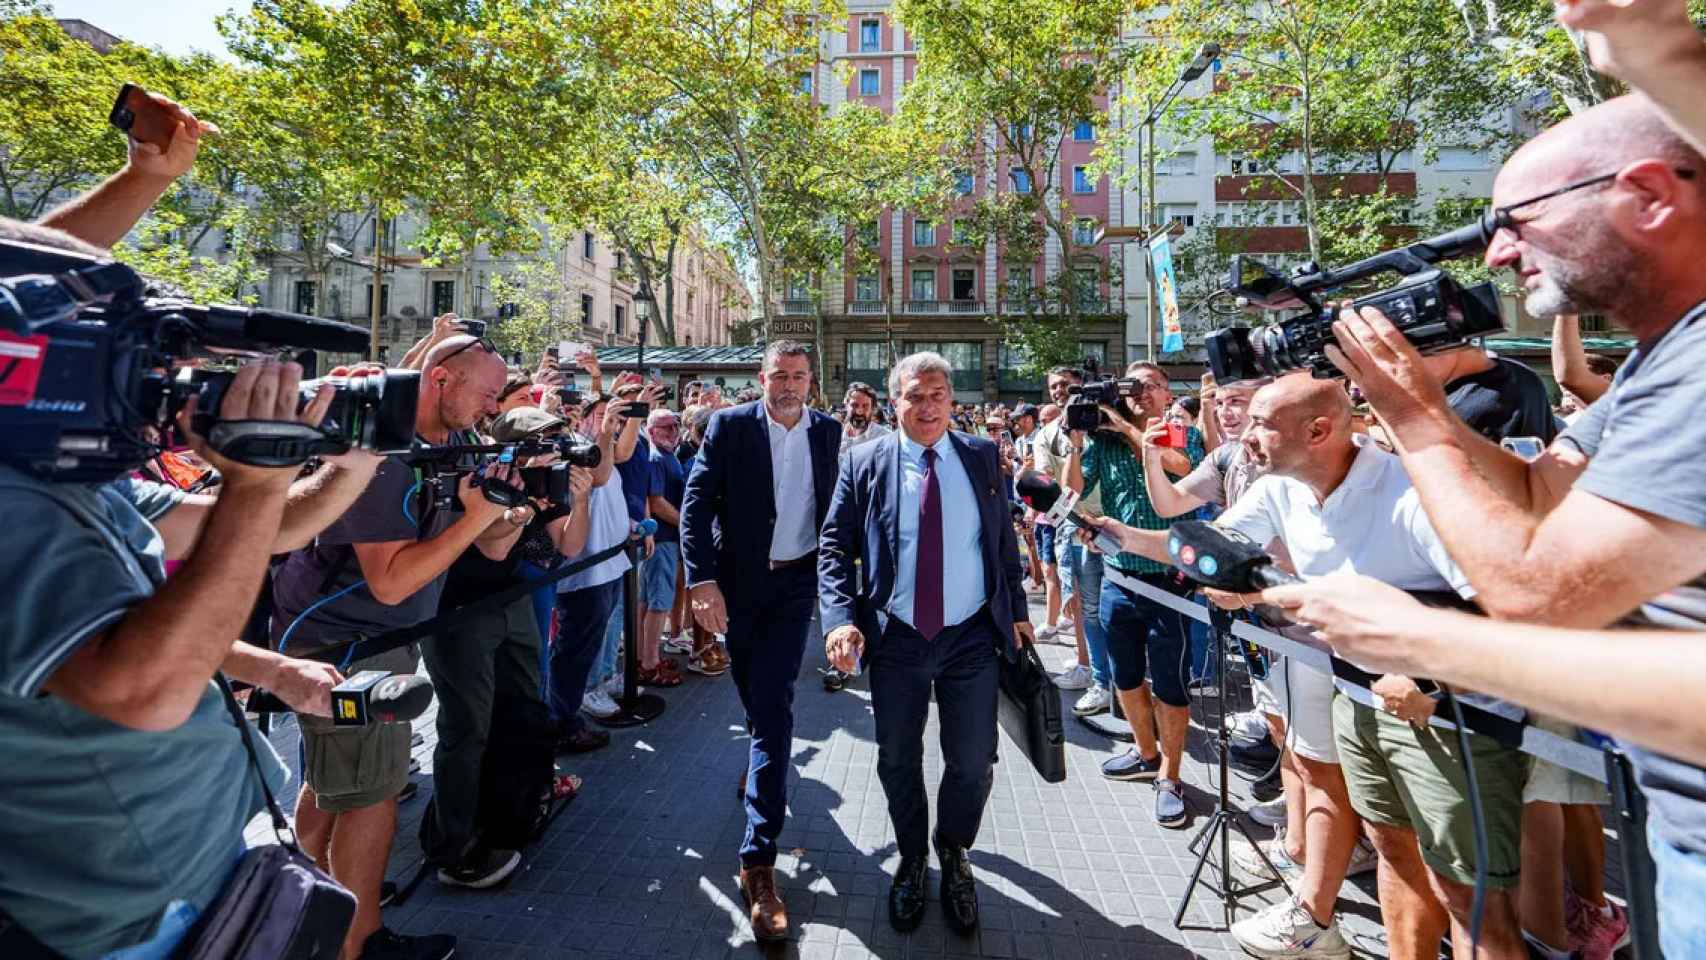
(1090, 305)
(798, 308)
(929, 307)
(865, 307)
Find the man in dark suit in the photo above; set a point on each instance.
(924, 512)
(749, 537)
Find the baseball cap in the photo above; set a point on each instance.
(1025, 410)
(521, 423)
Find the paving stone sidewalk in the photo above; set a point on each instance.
(642, 864)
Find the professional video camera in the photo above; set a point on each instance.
(88, 356)
(1082, 412)
(443, 466)
(1433, 311)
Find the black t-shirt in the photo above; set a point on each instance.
(475, 575)
(1505, 400)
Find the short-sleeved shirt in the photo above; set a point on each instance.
(1112, 467)
(397, 505)
(636, 474)
(1372, 524)
(1222, 476)
(1649, 453)
(668, 479)
(1050, 453)
(608, 526)
(101, 825)
(1505, 400)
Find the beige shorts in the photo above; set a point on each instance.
(1550, 783)
(1306, 703)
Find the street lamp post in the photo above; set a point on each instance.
(1146, 146)
(643, 304)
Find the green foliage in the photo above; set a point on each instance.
(544, 308)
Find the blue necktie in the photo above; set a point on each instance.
(927, 592)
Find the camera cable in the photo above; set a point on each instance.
(1477, 819)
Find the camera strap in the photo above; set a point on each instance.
(403, 636)
(280, 826)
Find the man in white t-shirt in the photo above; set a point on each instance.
(1339, 503)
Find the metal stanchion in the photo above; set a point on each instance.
(635, 707)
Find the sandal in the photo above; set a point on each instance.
(662, 675)
(565, 785)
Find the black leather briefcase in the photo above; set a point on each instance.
(1029, 710)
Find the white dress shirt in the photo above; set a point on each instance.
(873, 431)
(962, 533)
(795, 534)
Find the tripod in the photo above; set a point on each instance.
(1225, 817)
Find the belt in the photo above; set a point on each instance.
(799, 561)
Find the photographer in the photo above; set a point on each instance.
(1143, 637)
(382, 566)
(107, 715)
(490, 665)
(1606, 525)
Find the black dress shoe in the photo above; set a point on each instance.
(906, 896)
(959, 890)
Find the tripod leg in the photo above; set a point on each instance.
(1214, 825)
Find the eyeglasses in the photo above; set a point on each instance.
(1502, 218)
(481, 342)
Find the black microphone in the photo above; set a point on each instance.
(1223, 559)
(243, 327)
(371, 696)
(1057, 503)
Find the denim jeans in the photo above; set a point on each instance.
(1681, 896)
(1080, 568)
(544, 603)
(175, 923)
(605, 667)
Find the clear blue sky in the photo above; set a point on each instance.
(179, 27)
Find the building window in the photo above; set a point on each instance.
(964, 182)
(443, 297)
(966, 357)
(621, 261)
(586, 312)
(1021, 180)
(924, 284)
(304, 300)
(1021, 133)
(870, 83)
(799, 288)
(870, 35)
(619, 319)
(1460, 160)
(384, 300)
(1084, 231)
(866, 356)
(1185, 213)
(923, 233)
(1018, 283)
(1094, 348)
(1088, 295)
(806, 84)
(1084, 131)
(869, 234)
(586, 245)
(965, 284)
(1081, 180)
(962, 231)
(1182, 164)
(865, 288)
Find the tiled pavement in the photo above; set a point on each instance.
(643, 863)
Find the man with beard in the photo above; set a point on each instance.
(862, 425)
(749, 536)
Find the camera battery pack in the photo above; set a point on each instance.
(349, 699)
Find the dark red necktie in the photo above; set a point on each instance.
(927, 592)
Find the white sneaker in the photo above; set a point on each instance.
(680, 643)
(1271, 813)
(1251, 725)
(1363, 858)
(1246, 857)
(1286, 930)
(598, 704)
(1076, 677)
(1046, 632)
(1095, 700)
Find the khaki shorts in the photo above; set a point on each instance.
(350, 768)
(1550, 783)
(1401, 776)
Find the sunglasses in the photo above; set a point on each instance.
(1503, 218)
(489, 346)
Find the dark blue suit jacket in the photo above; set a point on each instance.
(864, 526)
(729, 508)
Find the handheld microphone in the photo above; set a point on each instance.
(646, 528)
(371, 696)
(1057, 504)
(1223, 559)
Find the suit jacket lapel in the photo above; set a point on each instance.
(764, 472)
(889, 462)
(983, 491)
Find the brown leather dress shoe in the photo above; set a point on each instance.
(769, 915)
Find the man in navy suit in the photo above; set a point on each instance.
(749, 537)
(925, 512)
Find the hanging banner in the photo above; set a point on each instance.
(1167, 285)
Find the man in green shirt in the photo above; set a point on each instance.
(1144, 638)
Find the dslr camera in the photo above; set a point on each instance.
(1433, 311)
(442, 468)
(90, 354)
(1082, 411)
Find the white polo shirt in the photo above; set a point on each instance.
(1373, 524)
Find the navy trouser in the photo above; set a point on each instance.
(960, 666)
(581, 618)
(766, 646)
(1145, 637)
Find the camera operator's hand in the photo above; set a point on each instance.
(179, 156)
(1125, 428)
(580, 484)
(262, 390)
(356, 458)
(305, 686)
(474, 500)
(1625, 38)
(1375, 624)
(1390, 371)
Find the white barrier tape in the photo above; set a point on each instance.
(1569, 754)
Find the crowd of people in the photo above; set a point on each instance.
(1562, 552)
